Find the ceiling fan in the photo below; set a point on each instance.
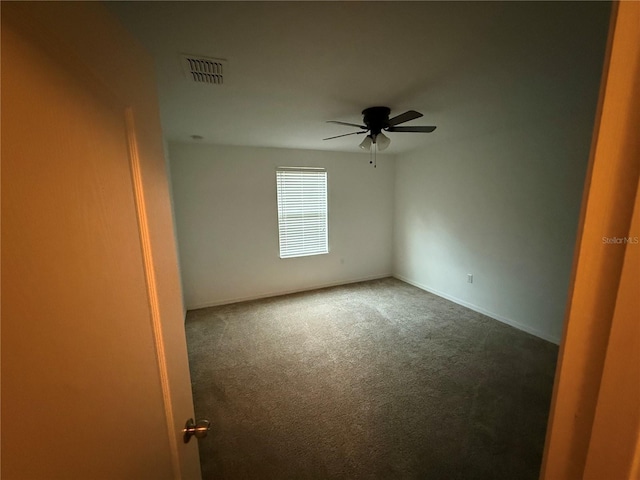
(376, 119)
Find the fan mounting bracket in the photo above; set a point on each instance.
(376, 118)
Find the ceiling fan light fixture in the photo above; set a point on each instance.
(375, 120)
(382, 141)
(366, 143)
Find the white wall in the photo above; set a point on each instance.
(226, 216)
(504, 209)
(501, 200)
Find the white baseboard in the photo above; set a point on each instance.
(495, 316)
(286, 292)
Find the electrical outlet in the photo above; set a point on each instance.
(469, 277)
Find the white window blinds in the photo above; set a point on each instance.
(302, 211)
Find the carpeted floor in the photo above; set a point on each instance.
(375, 380)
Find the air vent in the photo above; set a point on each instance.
(204, 70)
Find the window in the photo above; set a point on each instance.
(302, 211)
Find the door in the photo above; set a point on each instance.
(95, 381)
(594, 422)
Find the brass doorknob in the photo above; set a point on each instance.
(199, 430)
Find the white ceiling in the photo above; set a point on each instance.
(470, 68)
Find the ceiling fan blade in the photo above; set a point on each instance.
(404, 117)
(411, 129)
(338, 136)
(345, 123)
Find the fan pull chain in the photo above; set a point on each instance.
(373, 154)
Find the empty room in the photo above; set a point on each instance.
(344, 239)
(377, 379)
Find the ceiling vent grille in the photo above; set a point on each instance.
(204, 70)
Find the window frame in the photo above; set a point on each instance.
(297, 244)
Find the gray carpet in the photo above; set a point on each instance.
(371, 380)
